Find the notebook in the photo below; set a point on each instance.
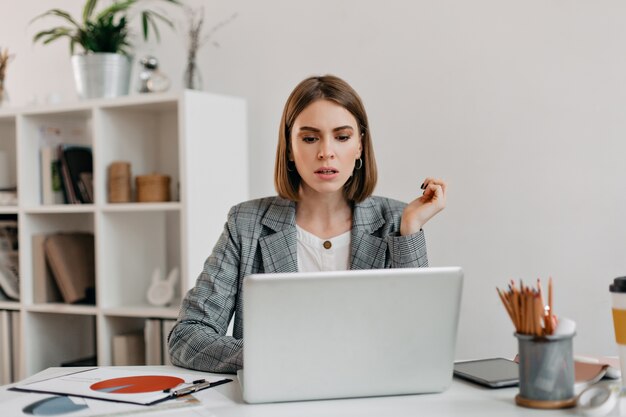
(343, 334)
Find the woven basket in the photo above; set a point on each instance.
(152, 188)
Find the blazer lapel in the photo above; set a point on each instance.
(367, 251)
(279, 249)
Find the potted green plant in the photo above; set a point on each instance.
(104, 66)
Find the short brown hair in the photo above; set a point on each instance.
(328, 87)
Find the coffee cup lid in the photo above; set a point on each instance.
(618, 285)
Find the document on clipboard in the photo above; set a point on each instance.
(111, 384)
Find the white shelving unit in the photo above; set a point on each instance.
(198, 139)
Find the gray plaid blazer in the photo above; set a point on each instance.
(260, 237)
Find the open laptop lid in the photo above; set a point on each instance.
(349, 333)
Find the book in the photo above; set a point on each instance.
(129, 349)
(154, 342)
(16, 334)
(72, 261)
(75, 160)
(45, 289)
(86, 186)
(167, 326)
(591, 369)
(68, 190)
(6, 358)
(51, 182)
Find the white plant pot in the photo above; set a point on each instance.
(99, 75)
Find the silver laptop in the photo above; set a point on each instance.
(324, 335)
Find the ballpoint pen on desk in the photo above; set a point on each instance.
(195, 386)
(527, 309)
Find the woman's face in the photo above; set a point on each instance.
(325, 144)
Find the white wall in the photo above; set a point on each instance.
(520, 105)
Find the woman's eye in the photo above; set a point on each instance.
(343, 138)
(309, 139)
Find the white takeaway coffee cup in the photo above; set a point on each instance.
(618, 297)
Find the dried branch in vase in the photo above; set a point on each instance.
(5, 58)
(195, 40)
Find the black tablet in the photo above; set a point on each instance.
(493, 372)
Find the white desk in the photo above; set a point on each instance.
(462, 399)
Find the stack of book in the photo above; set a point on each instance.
(64, 267)
(66, 174)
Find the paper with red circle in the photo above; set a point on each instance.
(137, 384)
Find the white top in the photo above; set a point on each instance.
(315, 254)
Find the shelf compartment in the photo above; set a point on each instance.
(39, 130)
(55, 338)
(146, 136)
(152, 333)
(139, 242)
(42, 289)
(113, 326)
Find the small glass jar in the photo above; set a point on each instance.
(192, 79)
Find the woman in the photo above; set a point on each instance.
(324, 218)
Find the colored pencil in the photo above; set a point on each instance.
(526, 309)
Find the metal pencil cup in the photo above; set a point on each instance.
(546, 371)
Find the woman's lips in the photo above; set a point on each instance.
(326, 170)
(326, 173)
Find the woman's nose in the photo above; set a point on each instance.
(325, 151)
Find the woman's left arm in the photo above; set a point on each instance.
(423, 208)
